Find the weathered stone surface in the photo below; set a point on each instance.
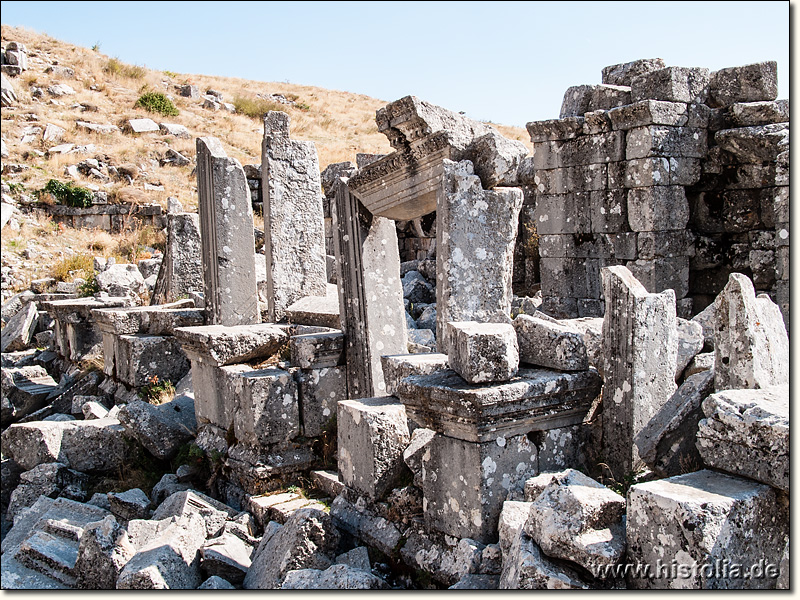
(181, 271)
(317, 350)
(750, 114)
(577, 101)
(416, 288)
(358, 558)
(48, 479)
(19, 329)
(162, 429)
(641, 346)
(496, 159)
(216, 583)
(396, 367)
(690, 343)
(624, 73)
(525, 567)
(308, 540)
(413, 453)
(25, 390)
(483, 352)
(673, 84)
(335, 577)
(294, 231)
(472, 581)
(749, 83)
(475, 235)
(701, 518)
(142, 125)
(360, 522)
(321, 311)
(657, 208)
(175, 129)
(606, 96)
(136, 359)
(221, 345)
(555, 129)
(121, 280)
(373, 432)
(319, 391)
(446, 560)
(550, 344)
(575, 518)
(132, 504)
(103, 551)
(663, 140)
(96, 445)
(226, 237)
(746, 432)
(751, 345)
(227, 557)
(190, 502)
(761, 143)
(328, 482)
(649, 112)
(536, 399)
(370, 292)
(513, 517)
(783, 579)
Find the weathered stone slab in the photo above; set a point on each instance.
(555, 129)
(550, 344)
(226, 556)
(641, 346)
(25, 391)
(226, 237)
(525, 567)
(673, 84)
(322, 311)
(536, 399)
(103, 551)
(749, 83)
(335, 577)
(705, 518)
(294, 243)
(751, 346)
(317, 350)
(605, 97)
(658, 208)
(370, 292)
(746, 432)
(483, 352)
(397, 367)
(496, 159)
(141, 126)
(373, 432)
(465, 483)
(161, 429)
(690, 343)
(750, 114)
(624, 73)
(577, 101)
(761, 143)
(131, 504)
(181, 271)
(319, 391)
(19, 329)
(361, 523)
(475, 235)
(218, 345)
(663, 140)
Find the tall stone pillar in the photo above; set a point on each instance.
(294, 226)
(640, 344)
(226, 237)
(370, 292)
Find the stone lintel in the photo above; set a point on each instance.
(219, 345)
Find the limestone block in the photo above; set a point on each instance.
(576, 518)
(181, 272)
(163, 428)
(750, 342)
(417, 289)
(640, 345)
(174, 129)
(548, 344)
(649, 112)
(221, 345)
(103, 551)
(577, 100)
(496, 159)
(783, 579)
(749, 83)
(606, 96)
(555, 129)
(609, 211)
(746, 432)
(624, 73)
(761, 143)
(466, 483)
(445, 560)
(750, 114)
(139, 358)
(19, 329)
(319, 392)
(513, 517)
(592, 330)
(320, 350)
(372, 434)
(321, 311)
(363, 524)
(483, 352)
(593, 149)
(398, 366)
(659, 274)
(121, 280)
(475, 236)
(663, 140)
(308, 540)
(690, 343)
(657, 208)
(227, 557)
(25, 391)
(563, 213)
(702, 518)
(48, 479)
(216, 583)
(185, 504)
(335, 577)
(673, 84)
(142, 125)
(525, 567)
(131, 504)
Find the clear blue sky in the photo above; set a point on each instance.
(508, 62)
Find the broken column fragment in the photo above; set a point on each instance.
(227, 238)
(181, 271)
(294, 240)
(475, 234)
(641, 347)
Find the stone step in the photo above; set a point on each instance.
(282, 512)
(50, 555)
(16, 576)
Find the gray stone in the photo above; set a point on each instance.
(121, 280)
(335, 577)
(690, 343)
(226, 236)
(513, 517)
(175, 158)
(9, 96)
(525, 567)
(427, 320)
(473, 581)
(749, 83)
(701, 518)
(181, 271)
(413, 453)
(496, 159)
(132, 504)
(641, 346)
(162, 429)
(360, 522)
(190, 502)
(783, 579)
(657, 208)
(750, 114)
(673, 84)
(373, 432)
(142, 125)
(555, 129)
(226, 556)
(103, 551)
(548, 344)
(663, 140)
(176, 130)
(327, 482)
(48, 479)
(447, 560)
(15, 303)
(707, 319)
(226, 345)
(746, 432)
(475, 235)
(53, 133)
(417, 289)
(319, 392)
(295, 237)
(591, 328)
(751, 344)
(19, 329)
(649, 112)
(577, 101)
(624, 73)
(358, 558)
(575, 518)
(605, 97)
(216, 583)
(422, 338)
(702, 362)
(25, 391)
(93, 410)
(761, 143)
(318, 350)
(321, 311)
(308, 540)
(189, 91)
(397, 367)
(483, 352)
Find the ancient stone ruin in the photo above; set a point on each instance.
(468, 366)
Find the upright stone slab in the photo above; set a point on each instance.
(475, 234)
(641, 347)
(370, 292)
(182, 269)
(227, 237)
(294, 243)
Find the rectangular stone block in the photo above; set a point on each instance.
(673, 84)
(749, 114)
(651, 140)
(466, 483)
(563, 213)
(657, 208)
(317, 350)
(483, 352)
(593, 149)
(609, 211)
(219, 345)
(749, 83)
(555, 129)
(606, 96)
(565, 179)
(664, 244)
(550, 344)
(646, 172)
(706, 522)
(373, 432)
(649, 112)
(547, 155)
(397, 367)
(319, 391)
(661, 274)
(624, 73)
(139, 358)
(623, 245)
(576, 102)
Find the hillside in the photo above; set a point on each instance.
(340, 124)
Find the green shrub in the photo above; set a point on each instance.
(90, 287)
(158, 103)
(69, 194)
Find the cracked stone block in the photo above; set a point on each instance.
(319, 391)
(761, 143)
(398, 366)
(362, 523)
(483, 352)
(624, 73)
(705, 518)
(317, 350)
(412, 455)
(132, 504)
(221, 345)
(103, 551)
(550, 344)
(525, 567)
(372, 434)
(746, 432)
(496, 159)
(673, 84)
(227, 557)
(748, 83)
(162, 428)
(19, 329)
